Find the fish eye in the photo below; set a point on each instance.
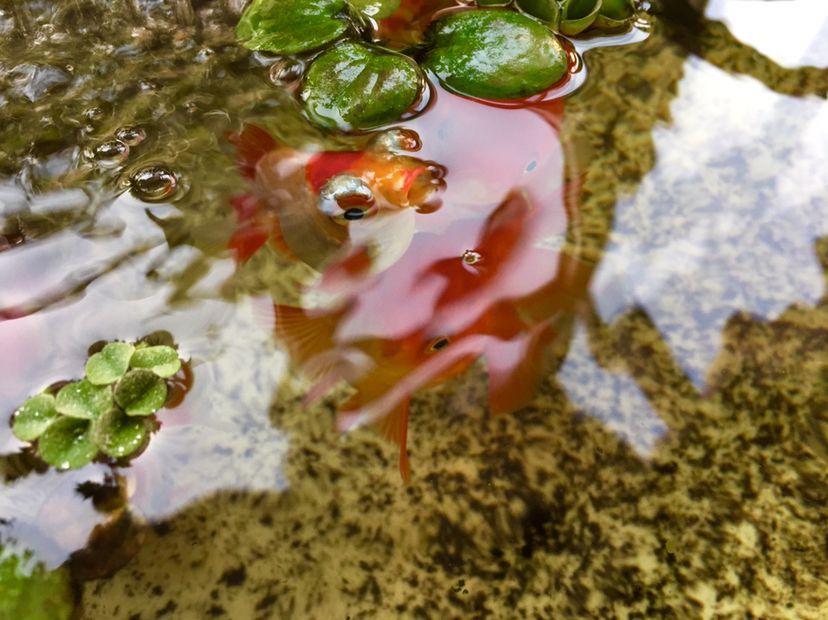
(439, 343)
(353, 213)
(346, 198)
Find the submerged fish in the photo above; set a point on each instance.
(458, 306)
(308, 202)
(483, 276)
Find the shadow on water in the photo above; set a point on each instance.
(672, 465)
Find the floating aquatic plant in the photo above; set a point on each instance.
(496, 51)
(107, 412)
(355, 85)
(495, 54)
(31, 592)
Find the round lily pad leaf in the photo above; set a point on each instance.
(578, 15)
(141, 392)
(161, 360)
(495, 54)
(67, 444)
(109, 364)
(81, 399)
(617, 9)
(34, 417)
(355, 86)
(614, 13)
(378, 9)
(548, 11)
(119, 435)
(290, 26)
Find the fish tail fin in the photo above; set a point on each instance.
(251, 144)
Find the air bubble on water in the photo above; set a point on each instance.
(398, 139)
(204, 54)
(93, 115)
(286, 71)
(470, 257)
(154, 183)
(132, 136)
(111, 153)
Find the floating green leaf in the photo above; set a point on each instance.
(378, 9)
(614, 13)
(355, 86)
(548, 11)
(81, 399)
(30, 592)
(141, 392)
(34, 417)
(617, 9)
(495, 54)
(290, 26)
(109, 364)
(119, 435)
(578, 15)
(161, 360)
(67, 444)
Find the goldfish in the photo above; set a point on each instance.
(459, 306)
(482, 275)
(307, 203)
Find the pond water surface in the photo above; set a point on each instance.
(630, 271)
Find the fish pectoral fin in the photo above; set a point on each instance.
(394, 426)
(516, 368)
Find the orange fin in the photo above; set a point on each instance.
(246, 241)
(516, 369)
(305, 335)
(394, 427)
(340, 276)
(251, 145)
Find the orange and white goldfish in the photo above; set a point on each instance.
(308, 202)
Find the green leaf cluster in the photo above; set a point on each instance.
(29, 591)
(105, 412)
(492, 52)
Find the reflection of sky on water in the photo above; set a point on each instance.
(219, 438)
(610, 397)
(790, 32)
(727, 219)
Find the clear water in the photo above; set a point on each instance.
(672, 460)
